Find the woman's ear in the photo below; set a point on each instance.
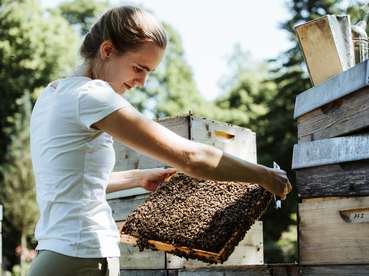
(106, 49)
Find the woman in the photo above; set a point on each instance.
(72, 126)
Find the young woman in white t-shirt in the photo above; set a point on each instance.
(72, 126)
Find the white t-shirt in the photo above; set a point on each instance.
(72, 163)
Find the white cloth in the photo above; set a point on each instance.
(72, 163)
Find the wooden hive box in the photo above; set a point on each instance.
(337, 107)
(232, 139)
(332, 229)
(331, 161)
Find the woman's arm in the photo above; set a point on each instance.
(123, 180)
(148, 179)
(198, 160)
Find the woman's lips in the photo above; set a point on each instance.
(127, 85)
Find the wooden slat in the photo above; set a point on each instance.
(337, 87)
(338, 270)
(145, 272)
(245, 271)
(132, 258)
(248, 251)
(346, 179)
(215, 257)
(235, 140)
(260, 270)
(325, 238)
(330, 151)
(341, 117)
(161, 246)
(122, 207)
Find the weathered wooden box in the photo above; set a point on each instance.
(327, 46)
(327, 235)
(337, 107)
(332, 167)
(333, 230)
(331, 161)
(232, 139)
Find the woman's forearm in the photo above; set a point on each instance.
(124, 180)
(214, 164)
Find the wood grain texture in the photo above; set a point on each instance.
(325, 238)
(255, 271)
(132, 258)
(338, 270)
(330, 151)
(147, 272)
(260, 270)
(341, 117)
(240, 142)
(335, 88)
(121, 207)
(346, 179)
(325, 49)
(249, 251)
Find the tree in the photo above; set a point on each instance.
(35, 48)
(277, 132)
(18, 192)
(245, 92)
(81, 13)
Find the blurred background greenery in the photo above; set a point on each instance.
(39, 45)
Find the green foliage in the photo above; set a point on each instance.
(244, 100)
(18, 192)
(34, 48)
(279, 131)
(81, 13)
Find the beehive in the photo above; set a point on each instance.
(332, 169)
(232, 139)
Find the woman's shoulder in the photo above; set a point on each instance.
(80, 84)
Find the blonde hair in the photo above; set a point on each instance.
(127, 27)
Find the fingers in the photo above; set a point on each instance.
(287, 188)
(171, 170)
(169, 173)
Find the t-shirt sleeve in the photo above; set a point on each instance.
(96, 101)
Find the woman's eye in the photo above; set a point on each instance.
(137, 69)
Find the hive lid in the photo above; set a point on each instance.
(334, 88)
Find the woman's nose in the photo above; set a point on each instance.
(140, 82)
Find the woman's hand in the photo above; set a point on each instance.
(152, 178)
(277, 182)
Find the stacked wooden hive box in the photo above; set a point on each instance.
(331, 161)
(232, 139)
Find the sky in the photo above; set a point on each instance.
(210, 28)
